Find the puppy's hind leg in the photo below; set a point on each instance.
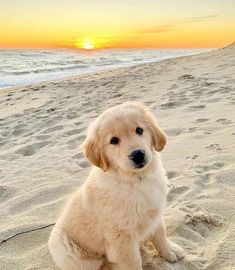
(66, 255)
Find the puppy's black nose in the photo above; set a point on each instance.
(137, 157)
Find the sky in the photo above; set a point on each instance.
(98, 24)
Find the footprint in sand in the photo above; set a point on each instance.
(51, 110)
(192, 129)
(2, 191)
(186, 77)
(5, 133)
(81, 161)
(170, 105)
(83, 164)
(192, 157)
(200, 120)
(174, 86)
(206, 168)
(87, 104)
(200, 227)
(202, 180)
(204, 219)
(32, 149)
(172, 174)
(208, 83)
(35, 89)
(72, 115)
(175, 192)
(117, 95)
(2, 142)
(174, 131)
(78, 156)
(224, 121)
(78, 123)
(215, 147)
(196, 107)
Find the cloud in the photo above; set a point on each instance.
(170, 26)
(199, 19)
(158, 29)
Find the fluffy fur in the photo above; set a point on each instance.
(119, 205)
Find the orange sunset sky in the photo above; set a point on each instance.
(116, 24)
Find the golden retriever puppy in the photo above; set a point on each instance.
(122, 202)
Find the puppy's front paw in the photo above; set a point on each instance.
(172, 252)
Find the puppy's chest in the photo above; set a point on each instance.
(143, 207)
(148, 201)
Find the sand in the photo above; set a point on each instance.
(42, 126)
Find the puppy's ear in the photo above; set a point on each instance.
(93, 151)
(158, 136)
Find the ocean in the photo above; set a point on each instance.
(24, 67)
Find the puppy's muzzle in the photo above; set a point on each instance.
(138, 158)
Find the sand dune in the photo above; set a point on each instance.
(42, 126)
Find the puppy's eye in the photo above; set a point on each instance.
(139, 131)
(114, 140)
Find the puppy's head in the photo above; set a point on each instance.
(123, 138)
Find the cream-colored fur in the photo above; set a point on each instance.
(119, 205)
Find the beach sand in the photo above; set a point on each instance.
(42, 126)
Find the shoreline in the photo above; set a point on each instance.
(107, 68)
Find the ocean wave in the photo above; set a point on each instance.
(45, 70)
(20, 67)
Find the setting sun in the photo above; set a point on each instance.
(85, 44)
(88, 45)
